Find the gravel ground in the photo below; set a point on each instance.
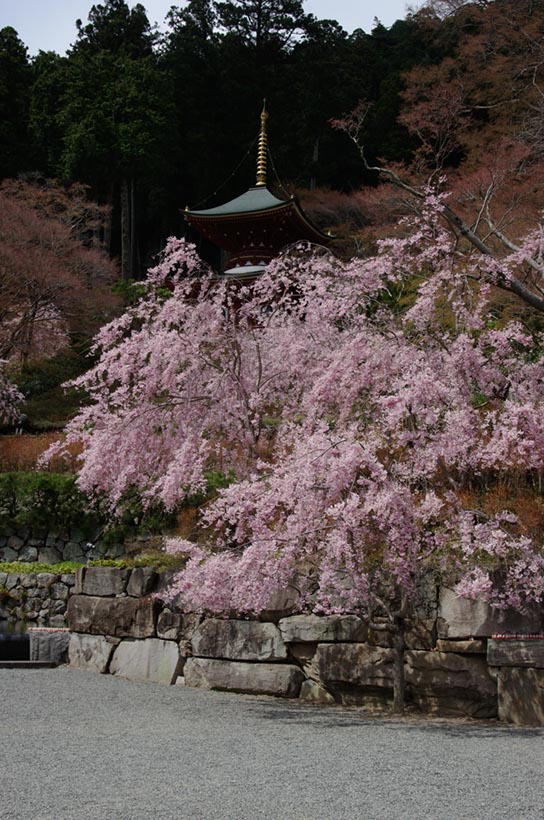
(79, 745)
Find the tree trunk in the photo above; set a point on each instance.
(398, 666)
(315, 160)
(132, 227)
(125, 230)
(108, 223)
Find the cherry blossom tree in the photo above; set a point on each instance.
(55, 280)
(478, 230)
(352, 404)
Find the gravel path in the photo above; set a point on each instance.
(79, 745)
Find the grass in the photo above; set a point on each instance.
(23, 568)
(158, 560)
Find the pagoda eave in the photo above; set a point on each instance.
(273, 227)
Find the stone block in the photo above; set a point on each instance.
(514, 652)
(48, 646)
(467, 647)
(281, 680)
(15, 543)
(105, 582)
(464, 618)
(39, 592)
(13, 580)
(7, 554)
(322, 629)
(79, 558)
(73, 551)
(356, 664)
(57, 620)
(27, 580)
(420, 633)
(315, 693)
(28, 554)
(78, 580)
(379, 637)
(185, 649)
(521, 696)
(120, 617)
(49, 555)
(169, 625)
(68, 579)
(304, 655)
(239, 640)
(46, 579)
(3, 579)
(452, 684)
(59, 591)
(282, 603)
(151, 660)
(189, 623)
(91, 651)
(142, 581)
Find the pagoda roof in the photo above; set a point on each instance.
(257, 207)
(255, 199)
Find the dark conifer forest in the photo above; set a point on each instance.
(154, 122)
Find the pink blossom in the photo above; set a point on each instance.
(347, 425)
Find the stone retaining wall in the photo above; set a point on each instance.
(452, 664)
(50, 548)
(39, 598)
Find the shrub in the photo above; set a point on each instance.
(44, 502)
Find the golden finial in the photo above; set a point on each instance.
(262, 152)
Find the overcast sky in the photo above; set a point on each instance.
(50, 24)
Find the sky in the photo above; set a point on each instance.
(50, 24)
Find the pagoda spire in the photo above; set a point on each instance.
(262, 152)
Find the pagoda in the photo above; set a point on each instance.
(253, 228)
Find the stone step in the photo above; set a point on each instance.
(27, 664)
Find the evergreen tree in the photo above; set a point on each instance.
(49, 73)
(111, 139)
(265, 25)
(15, 81)
(114, 27)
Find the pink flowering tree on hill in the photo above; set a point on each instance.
(353, 404)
